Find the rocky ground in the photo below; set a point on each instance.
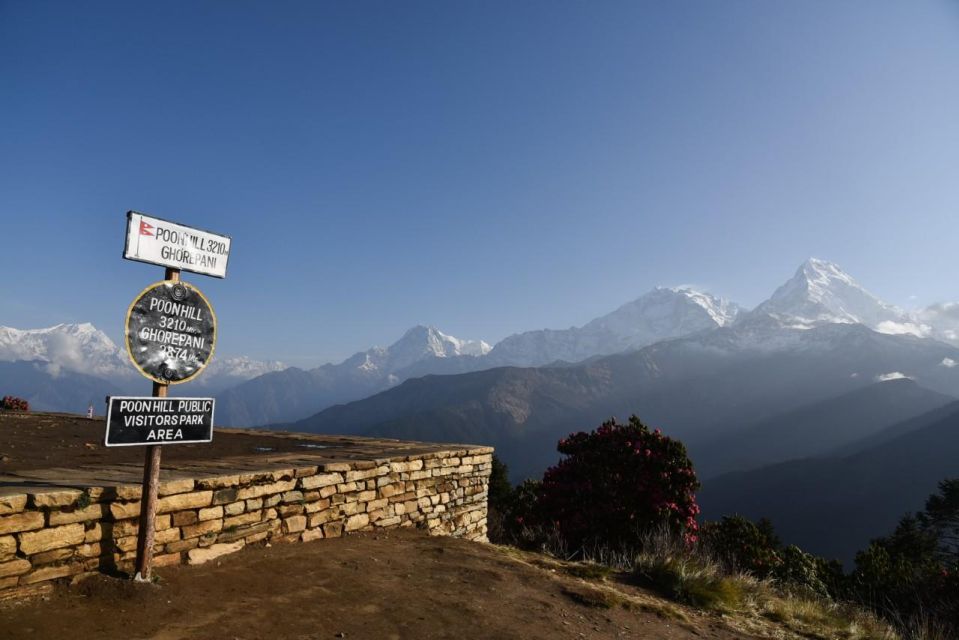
(399, 585)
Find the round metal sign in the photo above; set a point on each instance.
(170, 332)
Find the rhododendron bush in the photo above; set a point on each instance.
(12, 403)
(617, 482)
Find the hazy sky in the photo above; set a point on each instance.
(486, 167)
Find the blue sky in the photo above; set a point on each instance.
(486, 167)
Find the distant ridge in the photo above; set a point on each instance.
(293, 393)
(66, 391)
(77, 354)
(819, 428)
(661, 314)
(833, 506)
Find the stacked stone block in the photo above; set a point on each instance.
(49, 535)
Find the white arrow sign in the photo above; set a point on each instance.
(169, 244)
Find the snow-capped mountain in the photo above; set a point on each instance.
(293, 393)
(661, 314)
(417, 344)
(707, 370)
(240, 368)
(75, 347)
(822, 293)
(84, 349)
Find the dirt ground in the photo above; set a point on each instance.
(45, 440)
(400, 585)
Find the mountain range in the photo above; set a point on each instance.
(697, 388)
(289, 395)
(820, 376)
(661, 314)
(66, 367)
(819, 336)
(252, 393)
(810, 398)
(293, 393)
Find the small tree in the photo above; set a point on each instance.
(510, 519)
(913, 574)
(617, 482)
(941, 520)
(500, 489)
(499, 518)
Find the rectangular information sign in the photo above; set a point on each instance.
(173, 245)
(133, 421)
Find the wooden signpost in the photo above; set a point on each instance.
(170, 338)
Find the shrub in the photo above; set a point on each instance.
(804, 570)
(617, 482)
(509, 519)
(743, 545)
(12, 403)
(906, 587)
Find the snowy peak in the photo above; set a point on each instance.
(723, 312)
(822, 293)
(822, 273)
(417, 344)
(425, 341)
(76, 347)
(242, 367)
(660, 314)
(664, 313)
(25, 339)
(85, 349)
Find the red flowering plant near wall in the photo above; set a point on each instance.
(12, 403)
(616, 483)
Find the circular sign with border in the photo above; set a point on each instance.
(170, 332)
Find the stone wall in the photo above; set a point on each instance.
(56, 533)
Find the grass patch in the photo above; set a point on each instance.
(680, 581)
(823, 619)
(589, 571)
(589, 597)
(714, 594)
(691, 582)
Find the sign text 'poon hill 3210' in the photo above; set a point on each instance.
(176, 246)
(170, 332)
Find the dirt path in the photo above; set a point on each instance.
(401, 585)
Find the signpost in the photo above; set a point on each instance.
(145, 421)
(170, 332)
(175, 246)
(170, 337)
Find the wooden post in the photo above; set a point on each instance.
(148, 492)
